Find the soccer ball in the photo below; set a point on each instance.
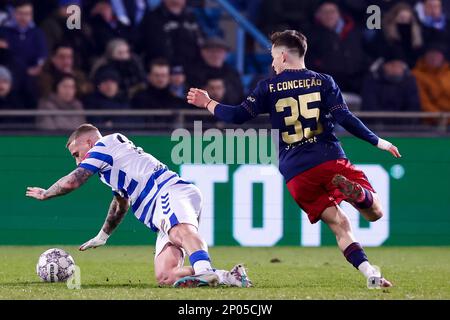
(55, 265)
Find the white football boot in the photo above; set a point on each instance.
(237, 277)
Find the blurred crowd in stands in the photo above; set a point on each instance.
(145, 54)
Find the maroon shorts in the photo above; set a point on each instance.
(314, 192)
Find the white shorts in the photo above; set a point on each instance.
(178, 203)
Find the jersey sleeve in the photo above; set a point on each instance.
(332, 97)
(256, 102)
(97, 159)
(334, 103)
(247, 110)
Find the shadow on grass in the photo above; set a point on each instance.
(121, 286)
(22, 283)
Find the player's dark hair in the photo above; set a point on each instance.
(292, 39)
(86, 127)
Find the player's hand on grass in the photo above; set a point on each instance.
(99, 240)
(93, 243)
(37, 193)
(198, 97)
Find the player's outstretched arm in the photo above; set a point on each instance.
(200, 99)
(117, 211)
(66, 184)
(231, 114)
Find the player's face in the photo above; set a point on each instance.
(79, 148)
(278, 60)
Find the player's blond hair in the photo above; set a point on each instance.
(84, 128)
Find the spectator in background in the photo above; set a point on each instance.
(175, 34)
(390, 87)
(8, 99)
(106, 26)
(130, 12)
(21, 82)
(446, 8)
(215, 87)
(4, 14)
(178, 86)
(433, 78)
(62, 62)
(107, 97)
(62, 98)
(43, 8)
(157, 95)
(435, 24)
(401, 32)
(214, 52)
(119, 58)
(358, 8)
(336, 47)
(56, 31)
(26, 41)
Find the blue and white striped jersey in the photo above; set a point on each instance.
(131, 173)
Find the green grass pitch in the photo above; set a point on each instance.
(116, 272)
